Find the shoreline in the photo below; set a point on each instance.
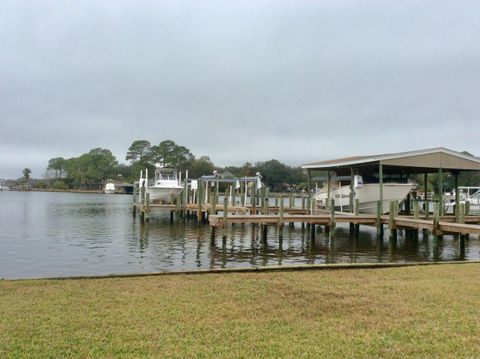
(258, 269)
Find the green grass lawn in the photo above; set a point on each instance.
(428, 311)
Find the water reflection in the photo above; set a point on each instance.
(58, 234)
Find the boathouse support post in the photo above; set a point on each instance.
(332, 223)
(309, 190)
(457, 196)
(379, 219)
(327, 204)
(380, 181)
(425, 199)
(436, 219)
(416, 212)
(357, 212)
(461, 216)
(391, 220)
(440, 191)
(352, 191)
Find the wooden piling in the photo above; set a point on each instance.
(147, 207)
(436, 219)
(225, 215)
(332, 225)
(199, 201)
(391, 220)
(461, 217)
(357, 212)
(379, 219)
(178, 210)
(280, 221)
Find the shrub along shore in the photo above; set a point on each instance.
(425, 311)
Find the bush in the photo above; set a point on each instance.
(60, 185)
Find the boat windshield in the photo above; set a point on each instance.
(166, 176)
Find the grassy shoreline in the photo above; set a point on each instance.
(426, 311)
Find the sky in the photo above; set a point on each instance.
(238, 81)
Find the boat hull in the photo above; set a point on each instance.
(162, 193)
(368, 195)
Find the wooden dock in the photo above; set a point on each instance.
(259, 209)
(445, 226)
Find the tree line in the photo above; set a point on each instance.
(93, 169)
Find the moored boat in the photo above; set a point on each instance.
(367, 194)
(167, 183)
(109, 188)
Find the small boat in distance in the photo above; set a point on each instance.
(167, 183)
(367, 194)
(109, 188)
(3, 187)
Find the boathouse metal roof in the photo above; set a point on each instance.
(428, 160)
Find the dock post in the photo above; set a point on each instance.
(436, 218)
(416, 212)
(440, 191)
(332, 223)
(462, 210)
(199, 200)
(243, 186)
(276, 201)
(280, 219)
(213, 205)
(134, 207)
(391, 221)
(253, 199)
(264, 232)
(379, 220)
(467, 208)
(147, 206)
(225, 214)
(212, 234)
(178, 210)
(262, 199)
(357, 212)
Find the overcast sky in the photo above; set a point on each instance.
(238, 81)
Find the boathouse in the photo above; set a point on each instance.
(398, 167)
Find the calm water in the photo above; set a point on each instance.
(68, 234)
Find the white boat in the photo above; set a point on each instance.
(109, 188)
(3, 187)
(167, 183)
(368, 194)
(466, 194)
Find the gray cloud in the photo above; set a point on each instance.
(240, 81)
